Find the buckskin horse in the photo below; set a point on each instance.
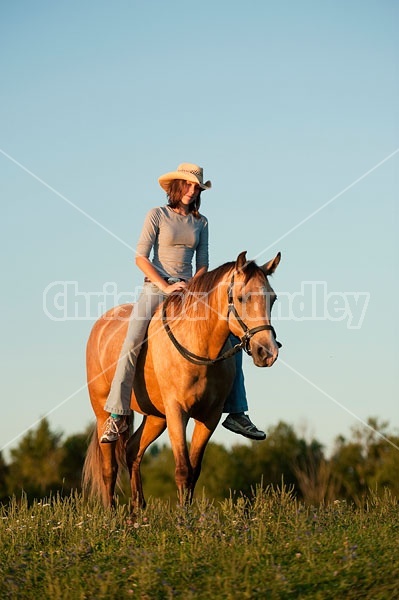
(185, 370)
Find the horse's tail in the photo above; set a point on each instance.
(93, 484)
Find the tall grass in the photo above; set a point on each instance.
(272, 547)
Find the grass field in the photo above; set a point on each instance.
(272, 547)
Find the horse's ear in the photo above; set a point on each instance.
(269, 267)
(241, 260)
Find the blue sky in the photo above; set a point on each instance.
(291, 108)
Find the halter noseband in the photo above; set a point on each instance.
(243, 345)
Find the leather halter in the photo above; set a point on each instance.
(243, 345)
(248, 333)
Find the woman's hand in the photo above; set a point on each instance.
(174, 287)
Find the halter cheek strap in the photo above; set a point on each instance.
(248, 333)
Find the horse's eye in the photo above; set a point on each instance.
(239, 298)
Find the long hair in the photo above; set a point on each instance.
(175, 193)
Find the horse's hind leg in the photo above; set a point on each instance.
(109, 466)
(149, 430)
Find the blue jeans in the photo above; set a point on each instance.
(118, 401)
(236, 401)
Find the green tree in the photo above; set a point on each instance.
(370, 460)
(35, 463)
(268, 462)
(4, 469)
(314, 474)
(216, 473)
(158, 473)
(282, 457)
(72, 458)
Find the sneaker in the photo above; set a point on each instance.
(241, 423)
(112, 429)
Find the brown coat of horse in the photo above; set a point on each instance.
(169, 389)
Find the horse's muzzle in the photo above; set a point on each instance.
(264, 355)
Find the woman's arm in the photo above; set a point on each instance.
(202, 251)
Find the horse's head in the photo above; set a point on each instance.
(251, 299)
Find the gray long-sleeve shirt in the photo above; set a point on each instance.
(174, 239)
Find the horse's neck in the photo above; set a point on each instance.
(206, 333)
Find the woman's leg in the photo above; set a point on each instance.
(236, 403)
(118, 402)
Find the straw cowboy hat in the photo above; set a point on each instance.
(187, 172)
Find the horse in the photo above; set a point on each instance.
(185, 371)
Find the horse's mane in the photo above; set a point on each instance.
(207, 283)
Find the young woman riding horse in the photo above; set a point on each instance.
(186, 365)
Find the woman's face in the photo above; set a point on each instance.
(190, 193)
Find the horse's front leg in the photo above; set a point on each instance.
(150, 428)
(177, 420)
(200, 438)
